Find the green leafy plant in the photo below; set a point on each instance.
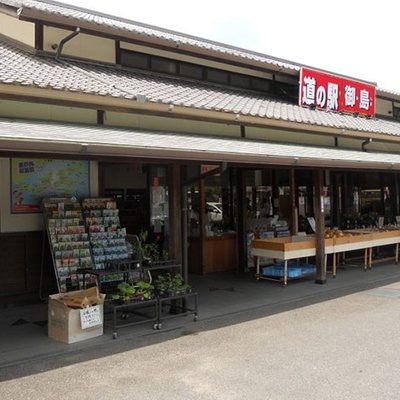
(162, 282)
(177, 282)
(145, 250)
(126, 292)
(144, 290)
(168, 283)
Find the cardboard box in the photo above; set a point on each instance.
(64, 323)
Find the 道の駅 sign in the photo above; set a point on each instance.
(333, 93)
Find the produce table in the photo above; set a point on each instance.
(295, 247)
(367, 240)
(286, 248)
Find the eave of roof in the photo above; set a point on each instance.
(64, 14)
(22, 73)
(137, 31)
(83, 140)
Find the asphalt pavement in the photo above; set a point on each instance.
(342, 348)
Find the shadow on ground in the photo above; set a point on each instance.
(224, 300)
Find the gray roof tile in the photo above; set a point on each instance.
(189, 146)
(19, 66)
(124, 25)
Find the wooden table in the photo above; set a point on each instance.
(367, 240)
(286, 248)
(294, 247)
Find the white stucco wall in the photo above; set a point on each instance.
(169, 124)
(82, 45)
(19, 109)
(19, 30)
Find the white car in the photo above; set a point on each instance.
(214, 210)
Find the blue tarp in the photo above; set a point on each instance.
(295, 270)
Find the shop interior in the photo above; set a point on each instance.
(277, 202)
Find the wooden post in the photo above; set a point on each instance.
(320, 259)
(202, 225)
(396, 193)
(175, 212)
(294, 216)
(184, 229)
(241, 217)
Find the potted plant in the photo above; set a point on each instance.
(126, 293)
(142, 250)
(162, 284)
(144, 290)
(177, 284)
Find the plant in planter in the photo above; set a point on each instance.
(126, 292)
(168, 284)
(187, 288)
(143, 250)
(162, 284)
(177, 284)
(144, 290)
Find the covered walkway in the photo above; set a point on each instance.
(224, 300)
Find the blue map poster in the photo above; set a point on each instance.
(33, 179)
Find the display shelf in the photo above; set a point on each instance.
(171, 302)
(107, 238)
(107, 279)
(69, 242)
(122, 314)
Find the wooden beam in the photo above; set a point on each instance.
(397, 193)
(241, 218)
(319, 227)
(175, 209)
(117, 52)
(38, 36)
(184, 230)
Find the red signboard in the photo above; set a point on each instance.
(333, 93)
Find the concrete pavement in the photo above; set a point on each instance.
(345, 348)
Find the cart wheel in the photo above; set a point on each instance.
(157, 326)
(196, 318)
(115, 335)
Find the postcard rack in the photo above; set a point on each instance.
(68, 240)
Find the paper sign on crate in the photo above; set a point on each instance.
(90, 317)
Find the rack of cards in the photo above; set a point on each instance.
(107, 238)
(68, 239)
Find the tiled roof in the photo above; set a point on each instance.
(388, 93)
(42, 136)
(124, 25)
(23, 67)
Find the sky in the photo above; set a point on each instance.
(355, 38)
